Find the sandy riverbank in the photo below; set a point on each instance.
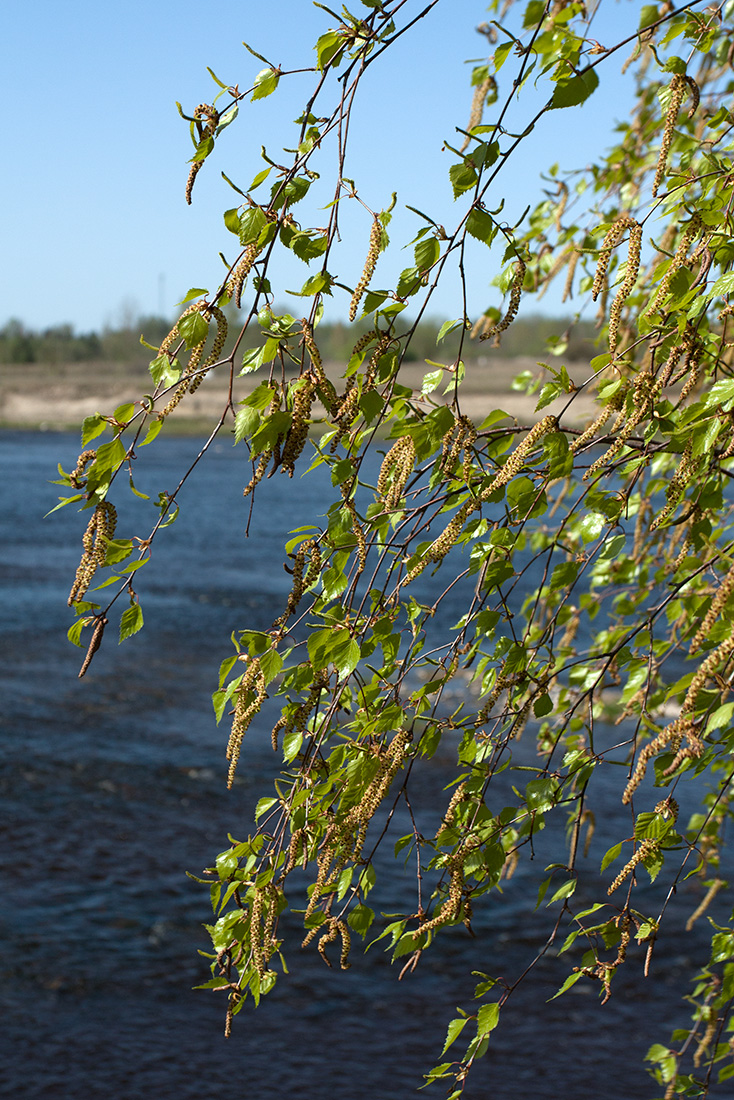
(60, 395)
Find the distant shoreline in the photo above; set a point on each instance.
(42, 397)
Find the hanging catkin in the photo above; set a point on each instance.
(369, 267)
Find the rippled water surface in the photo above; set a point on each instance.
(113, 786)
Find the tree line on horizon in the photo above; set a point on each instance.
(535, 335)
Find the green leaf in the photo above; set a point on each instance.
(649, 14)
(334, 582)
(570, 980)
(63, 501)
(543, 705)
(549, 392)
(232, 220)
(123, 414)
(227, 119)
(335, 647)
(360, 919)
(610, 856)
(203, 149)
(263, 805)
(500, 55)
(723, 286)
(266, 82)
(481, 226)
(197, 291)
(447, 327)
(260, 178)
(327, 46)
(251, 225)
(591, 526)
(292, 745)
(317, 284)
(134, 566)
(431, 381)
(118, 550)
(564, 891)
(454, 1031)
(109, 457)
(131, 621)
(560, 458)
(92, 426)
(193, 328)
(463, 177)
(164, 370)
(309, 246)
(153, 430)
(576, 90)
(246, 423)
(271, 663)
(427, 253)
(488, 1018)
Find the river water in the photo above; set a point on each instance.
(113, 786)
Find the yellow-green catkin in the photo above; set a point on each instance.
(241, 271)
(646, 849)
(397, 466)
(369, 267)
(683, 726)
(712, 615)
(570, 272)
(295, 440)
(96, 640)
(250, 696)
(100, 530)
(345, 837)
(700, 909)
(335, 928)
(590, 432)
(677, 485)
(611, 240)
(478, 103)
(297, 717)
(628, 284)
(308, 548)
(460, 437)
(76, 477)
(678, 85)
(440, 546)
(203, 111)
(195, 369)
(679, 258)
(324, 387)
(645, 392)
(359, 535)
(265, 457)
(516, 285)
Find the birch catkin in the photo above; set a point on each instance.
(628, 285)
(440, 546)
(678, 87)
(611, 240)
(515, 293)
(369, 267)
(478, 102)
(250, 696)
(100, 530)
(204, 110)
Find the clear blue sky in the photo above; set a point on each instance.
(94, 218)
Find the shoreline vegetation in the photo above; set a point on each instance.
(52, 380)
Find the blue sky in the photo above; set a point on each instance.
(96, 227)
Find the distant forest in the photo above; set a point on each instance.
(533, 336)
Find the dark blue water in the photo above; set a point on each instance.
(113, 786)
